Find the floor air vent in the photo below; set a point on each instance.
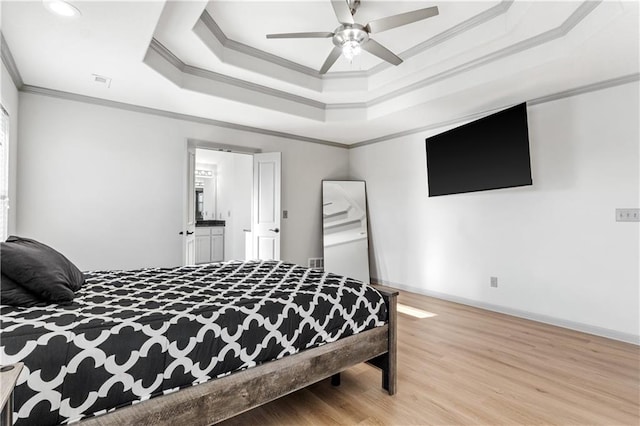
(316, 263)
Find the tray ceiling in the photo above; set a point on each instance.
(212, 59)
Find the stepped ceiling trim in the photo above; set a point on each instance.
(7, 59)
(555, 33)
(228, 43)
(474, 21)
(489, 14)
(159, 48)
(360, 108)
(170, 114)
(549, 98)
(462, 78)
(224, 124)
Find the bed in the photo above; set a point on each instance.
(194, 344)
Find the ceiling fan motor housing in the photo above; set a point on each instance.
(350, 32)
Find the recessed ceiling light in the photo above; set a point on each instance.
(61, 8)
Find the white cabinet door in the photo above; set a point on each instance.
(209, 244)
(217, 248)
(203, 246)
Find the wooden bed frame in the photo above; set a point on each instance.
(229, 396)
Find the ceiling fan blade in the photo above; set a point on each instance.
(301, 35)
(394, 21)
(381, 52)
(343, 12)
(331, 59)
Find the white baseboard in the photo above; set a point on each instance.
(585, 328)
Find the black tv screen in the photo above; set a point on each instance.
(489, 153)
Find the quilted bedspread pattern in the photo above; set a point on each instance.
(133, 335)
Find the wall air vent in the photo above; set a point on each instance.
(101, 79)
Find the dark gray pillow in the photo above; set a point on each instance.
(15, 295)
(40, 269)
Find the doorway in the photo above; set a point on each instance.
(224, 184)
(232, 203)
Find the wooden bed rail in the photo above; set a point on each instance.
(220, 399)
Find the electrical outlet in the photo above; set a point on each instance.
(627, 215)
(494, 281)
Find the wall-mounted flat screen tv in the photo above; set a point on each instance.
(489, 153)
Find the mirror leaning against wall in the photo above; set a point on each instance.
(344, 228)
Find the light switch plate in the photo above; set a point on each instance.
(627, 215)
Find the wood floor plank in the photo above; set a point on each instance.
(468, 366)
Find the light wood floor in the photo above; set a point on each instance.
(467, 366)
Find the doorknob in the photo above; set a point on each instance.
(189, 232)
(275, 230)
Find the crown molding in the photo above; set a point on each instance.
(243, 84)
(619, 81)
(169, 114)
(169, 56)
(479, 19)
(9, 63)
(631, 78)
(456, 30)
(560, 31)
(228, 43)
(536, 101)
(581, 12)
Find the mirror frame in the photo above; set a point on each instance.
(366, 216)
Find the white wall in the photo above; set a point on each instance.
(9, 99)
(106, 186)
(555, 247)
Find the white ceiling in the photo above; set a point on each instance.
(212, 59)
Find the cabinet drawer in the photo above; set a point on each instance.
(202, 232)
(217, 230)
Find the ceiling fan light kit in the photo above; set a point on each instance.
(350, 38)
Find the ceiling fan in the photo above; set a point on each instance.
(350, 38)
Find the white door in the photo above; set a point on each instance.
(189, 234)
(266, 206)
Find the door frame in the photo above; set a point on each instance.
(214, 146)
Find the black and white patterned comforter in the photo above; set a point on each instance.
(133, 335)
